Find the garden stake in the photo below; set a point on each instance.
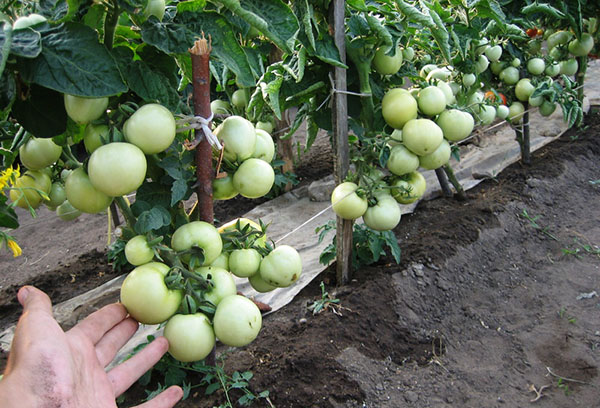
(526, 153)
(340, 131)
(200, 54)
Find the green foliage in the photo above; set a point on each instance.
(368, 245)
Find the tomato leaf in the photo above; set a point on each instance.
(8, 216)
(26, 43)
(72, 61)
(42, 113)
(151, 85)
(191, 5)
(153, 219)
(179, 35)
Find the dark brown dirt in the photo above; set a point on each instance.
(485, 304)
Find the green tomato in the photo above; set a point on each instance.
(281, 267)
(447, 90)
(94, 135)
(82, 194)
(494, 53)
(515, 112)
(402, 160)
(431, 101)
(223, 188)
(151, 128)
(264, 148)
(456, 125)
(409, 188)
(509, 75)
(239, 137)
(28, 21)
(37, 154)
(244, 263)
(240, 98)
(27, 188)
(581, 47)
(536, 66)
(259, 284)
(426, 69)
(346, 203)
(440, 74)
(437, 158)
(552, 70)
(254, 178)
(502, 111)
(481, 64)
(497, 67)
(232, 225)
(524, 89)
(137, 251)
(191, 337)
(67, 212)
(469, 79)
(154, 8)
(117, 169)
(146, 296)
(535, 101)
(266, 126)
(222, 261)
(486, 115)
(408, 54)
(422, 136)
(398, 106)
(558, 38)
(198, 234)
(385, 64)
(219, 106)
(85, 110)
(516, 63)
(222, 281)
(383, 216)
(237, 321)
(547, 108)
(57, 195)
(569, 67)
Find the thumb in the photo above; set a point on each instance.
(33, 299)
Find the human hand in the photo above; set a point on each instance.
(50, 368)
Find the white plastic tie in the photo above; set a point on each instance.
(200, 123)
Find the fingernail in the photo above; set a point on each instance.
(23, 294)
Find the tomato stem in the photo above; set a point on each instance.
(126, 211)
(580, 76)
(110, 24)
(460, 191)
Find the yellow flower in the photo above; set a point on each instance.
(8, 176)
(14, 247)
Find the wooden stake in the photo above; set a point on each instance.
(340, 131)
(200, 54)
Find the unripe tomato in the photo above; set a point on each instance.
(146, 296)
(516, 63)
(383, 216)
(137, 251)
(408, 53)
(155, 8)
(502, 111)
(515, 112)
(264, 148)
(259, 284)
(402, 160)
(431, 101)
(93, 135)
(231, 225)
(552, 70)
(438, 74)
(524, 89)
(117, 169)
(57, 195)
(244, 263)
(494, 53)
(536, 66)
(422, 136)
(448, 92)
(281, 267)
(240, 98)
(220, 107)
(67, 212)
(409, 188)
(581, 47)
(547, 108)
(82, 194)
(254, 178)
(535, 101)
(151, 128)
(85, 110)
(191, 337)
(569, 67)
(239, 137)
(198, 234)
(497, 67)
(28, 21)
(346, 203)
(222, 281)
(398, 106)
(437, 158)
(25, 192)
(385, 64)
(266, 126)
(469, 79)
(37, 153)
(237, 321)
(486, 115)
(509, 75)
(455, 124)
(222, 261)
(481, 64)
(223, 188)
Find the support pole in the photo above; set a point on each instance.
(340, 136)
(443, 180)
(200, 54)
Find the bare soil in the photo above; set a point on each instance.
(493, 299)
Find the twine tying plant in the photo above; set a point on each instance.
(199, 123)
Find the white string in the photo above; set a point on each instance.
(198, 122)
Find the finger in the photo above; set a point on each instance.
(101, 321)
(166, 399)
(33, 299)
(109, 345)
(126, 373)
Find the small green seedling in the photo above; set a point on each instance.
(534, 224)
(324, 303)
(562, 313)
